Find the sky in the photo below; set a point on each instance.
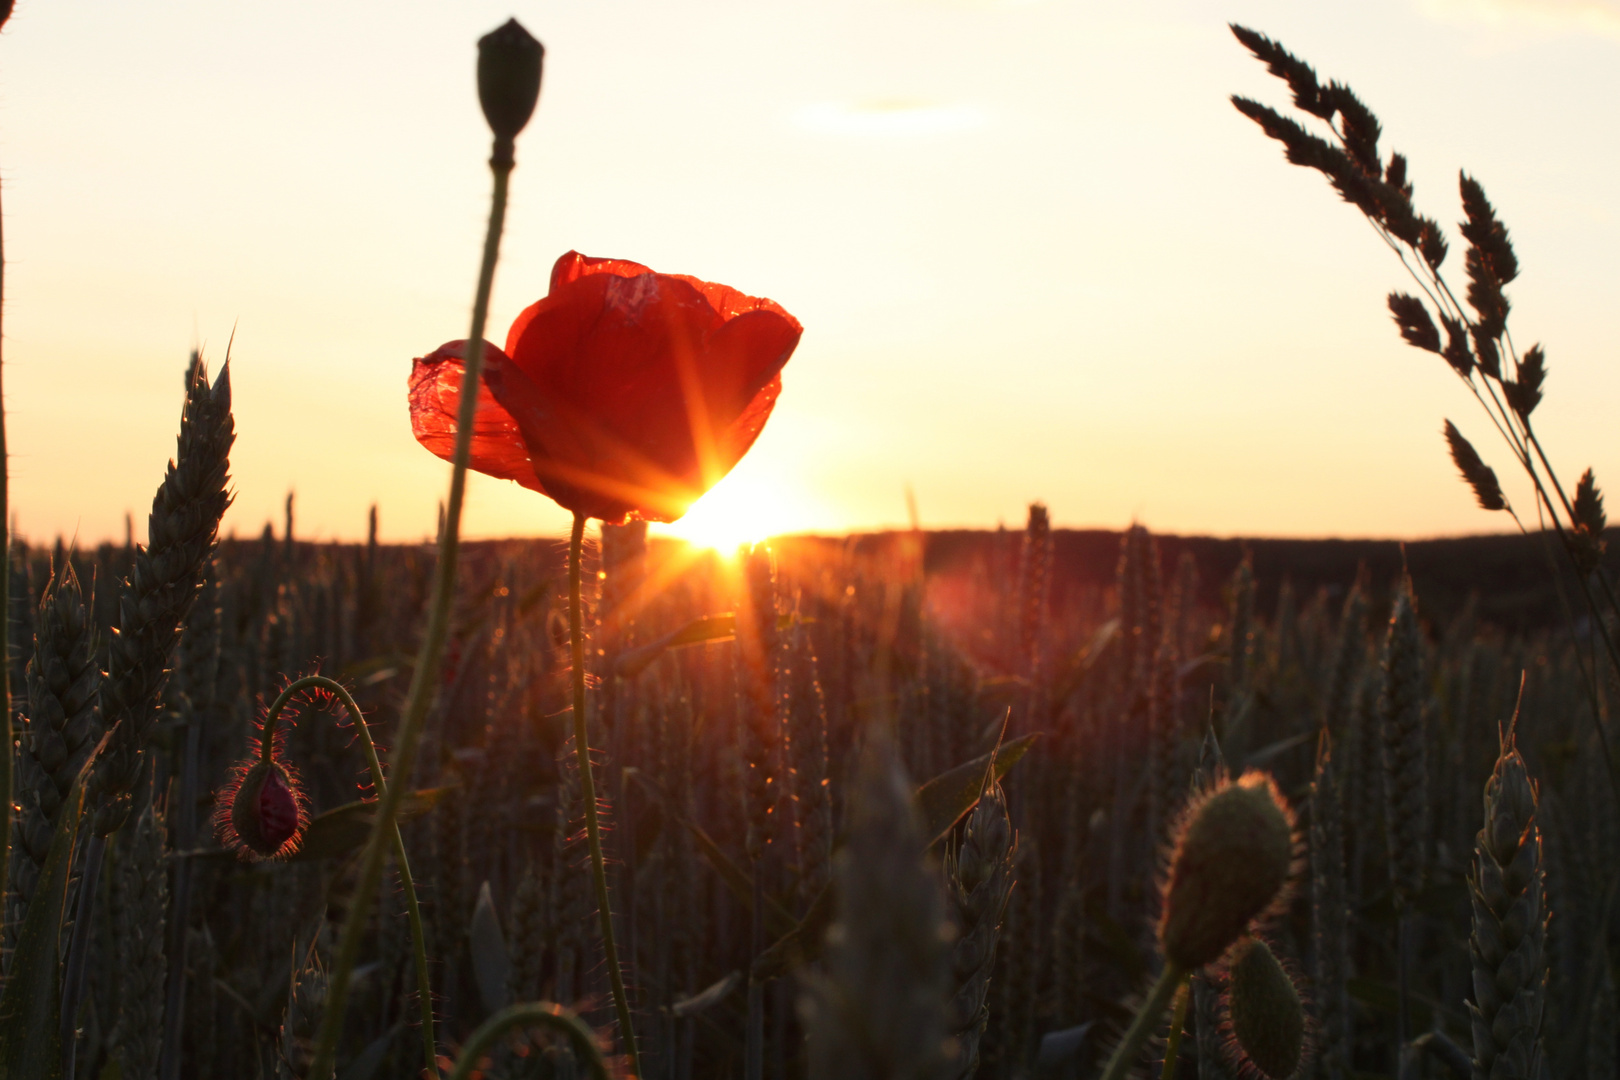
(1037, 254)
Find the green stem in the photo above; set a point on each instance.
(413, 910)
(1147, 1019)
(534, 1014)
(425, 674)
(1178, 1024)
(587, 785)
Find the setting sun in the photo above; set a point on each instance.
(739, 510)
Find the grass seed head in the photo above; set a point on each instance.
(1232, 859)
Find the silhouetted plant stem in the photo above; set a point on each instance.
(185, 839)
(1146, 1021)
(1403, 967)
(79, 947)
(6, 764)
(536, 1014)
(424, 676)
(413, 911)
(1178, 1023)
(754, 1046)
(587, 784)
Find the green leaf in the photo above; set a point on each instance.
(709, 997)
(1071, 676)
(341, 830)
(376, 669)
(633, 662)
(492, 963)
(709, 628)
(944, 799)
(365, 1064)
(31, 1008)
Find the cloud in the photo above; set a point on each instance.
(983, 5)
(889, 118)
(1595, 16)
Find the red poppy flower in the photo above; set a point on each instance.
(623, 393)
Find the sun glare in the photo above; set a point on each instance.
(738, 510)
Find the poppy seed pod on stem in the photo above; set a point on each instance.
(1234, 851)
(509, 66)
(1264, 1009)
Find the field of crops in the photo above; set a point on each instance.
(1135, 690)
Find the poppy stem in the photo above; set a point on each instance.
(424, 676)
(587, 785)
(1145, 1023)
(413, 910)
(535, 1014)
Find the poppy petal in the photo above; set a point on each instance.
(583, 467)
(634, 392)
(498, 448)
(743, 355)
(746, 428)
(729, 302)
(573, 266)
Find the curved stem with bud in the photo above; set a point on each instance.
(424, 675)
(413, 911)
(534, 1014)
(509, 66)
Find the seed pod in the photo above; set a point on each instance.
(1263, 1007)
(261, 812)
(1233, 855)
(509, 64)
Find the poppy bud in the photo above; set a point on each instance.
(1234, 851)
(1262, 1003)
(509, 62)
(262, 812)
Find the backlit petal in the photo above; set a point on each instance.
(498, 448)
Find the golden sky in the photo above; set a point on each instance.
(1036, 253)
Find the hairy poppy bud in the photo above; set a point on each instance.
(1262, 1003)
(1234, 850)
(509, 62)
(262, 811)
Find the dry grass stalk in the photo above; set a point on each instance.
(141, 889)
(154, 602)
(1330, 901)
(1405, 761)
(63, 727)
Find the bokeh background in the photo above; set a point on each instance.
(1036, 252)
